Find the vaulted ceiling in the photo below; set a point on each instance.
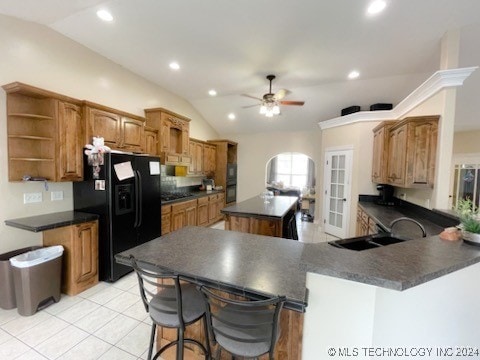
(310, 45)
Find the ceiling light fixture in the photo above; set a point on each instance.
(174, 65)
(212, 92)
(105, 15)
(269, 108)
(231, 116)
(376, 7)
(353, 74)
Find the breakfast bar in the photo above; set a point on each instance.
(335, 297)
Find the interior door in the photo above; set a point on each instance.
(337, 182)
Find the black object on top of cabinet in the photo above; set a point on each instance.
(128, 204)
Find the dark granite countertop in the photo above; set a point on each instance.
(194, 195)
(399, 266)
(242, 263)
(252, 265)
(384, 215)
(51, 221)
(278, 207)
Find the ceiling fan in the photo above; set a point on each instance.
(270, 103)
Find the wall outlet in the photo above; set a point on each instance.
(29, 198)
(56, 195)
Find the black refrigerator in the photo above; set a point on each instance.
(125, 193)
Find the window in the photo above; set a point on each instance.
(466, 183)
(292, 169)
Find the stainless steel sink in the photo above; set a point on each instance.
(367, 242)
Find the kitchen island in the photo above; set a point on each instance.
(255, 216)
(421, 292)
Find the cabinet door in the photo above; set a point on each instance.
(166, 219)
(132, 134)
(209, 159)
(164, 135)
(104, 124)
(198, 158)
(202, 211)
(191, 152)
(191, 215)
(85, 252)
(151, 142)
(212, 208)
(378, 168)
(178, 219)
(70, 142)
(422, 140)
(397, 155)
(185, 139)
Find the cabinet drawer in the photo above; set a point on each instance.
(213, 197)
(166, 209)
(203, 200)
(183, 205)
(172, 158)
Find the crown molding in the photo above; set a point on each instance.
(440, 80)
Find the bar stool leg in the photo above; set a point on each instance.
(152, 340)
(180, 335)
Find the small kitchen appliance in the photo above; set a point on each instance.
(385, 194)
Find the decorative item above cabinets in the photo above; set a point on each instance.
(173, 145)
(407, 149)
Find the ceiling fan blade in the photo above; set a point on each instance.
(280, 94)
(252, 97)
(287, 102)
(250, 106)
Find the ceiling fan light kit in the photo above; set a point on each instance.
(270, 103)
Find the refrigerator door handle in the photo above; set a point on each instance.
(139, 197)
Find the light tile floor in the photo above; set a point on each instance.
(106, 322)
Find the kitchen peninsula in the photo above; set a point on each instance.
(414, 293)
(256, 216)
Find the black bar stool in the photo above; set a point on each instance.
(170, 305)
(243, 328)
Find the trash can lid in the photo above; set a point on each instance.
(36, 257)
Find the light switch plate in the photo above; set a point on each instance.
(56, 195)
(29, 198)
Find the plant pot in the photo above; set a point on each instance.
(471, 238)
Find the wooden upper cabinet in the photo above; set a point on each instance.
(412, 152)
(70, 142)
(209, 159)
(150, 141)
(132, 134)
(104, 124)
(43, 128)
(380, 152)
(120, 131)
(174, 135)
(196, 151)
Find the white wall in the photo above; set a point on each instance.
(35, 55)
(255, 150)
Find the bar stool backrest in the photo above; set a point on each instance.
(244, 328)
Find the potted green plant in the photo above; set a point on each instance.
(469, 220)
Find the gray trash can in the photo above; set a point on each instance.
(37, 278)
(7, 289)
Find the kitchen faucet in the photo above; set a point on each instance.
(424, 233)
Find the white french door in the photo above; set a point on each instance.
(337, 183)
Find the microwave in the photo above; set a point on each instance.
(231, 174)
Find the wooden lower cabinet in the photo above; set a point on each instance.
(166, 222)
(365, 224)
(289, 344)
(203, 211)
(80, 256)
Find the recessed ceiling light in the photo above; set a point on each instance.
(212, 92)
(174, 65)
(376, 7)
(231, 116)
(353, 74)
(104, 15)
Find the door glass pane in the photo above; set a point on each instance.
(331, 219)
(334, 161)
(339, 220)
(340, 206)
(334, 177)
(333, 190)
(342, 162)
(341, 176)
(340, 191)
(332, 205)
